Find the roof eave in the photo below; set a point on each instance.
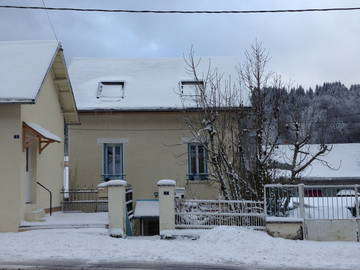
(100, 110)
(16, 101)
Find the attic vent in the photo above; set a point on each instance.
(111, 90)
(190, 88)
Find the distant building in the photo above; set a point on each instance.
(341, 166)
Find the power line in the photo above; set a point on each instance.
(51, 25)
(185, 11)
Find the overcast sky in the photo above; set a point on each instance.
(305, 48)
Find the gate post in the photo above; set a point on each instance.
(117, 206)
(302, 209)
(357, 201)
(301, 200)
(166, 206)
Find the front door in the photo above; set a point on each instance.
(30, 173)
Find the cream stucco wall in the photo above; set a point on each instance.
(49, 164)
(154, 150)
(10, 155)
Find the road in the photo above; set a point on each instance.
(82, 265)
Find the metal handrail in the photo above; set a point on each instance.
(50, 194)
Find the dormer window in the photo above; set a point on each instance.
(190, 88)
(110, 90)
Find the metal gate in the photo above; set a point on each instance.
(198, 214)
(329, 212)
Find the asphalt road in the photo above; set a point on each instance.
(82, 265)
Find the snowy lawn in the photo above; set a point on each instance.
(224, 245)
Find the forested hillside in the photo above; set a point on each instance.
(330, 113)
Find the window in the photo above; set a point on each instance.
(113, 161)
(111, 90)
(190, 88)
(197, 162)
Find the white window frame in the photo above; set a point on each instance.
(121, 84)
(105, 174)
(197, 175)
(190, 83)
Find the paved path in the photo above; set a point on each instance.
(82, 265)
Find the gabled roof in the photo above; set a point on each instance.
(150, 84)
(344, 160)
(24, 66)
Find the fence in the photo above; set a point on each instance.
(91, 200)
(210, 213)
(333, 202)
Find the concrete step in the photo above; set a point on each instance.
(23, 228)
(35, 215)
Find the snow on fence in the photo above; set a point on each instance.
(210, 213)
(333, 202)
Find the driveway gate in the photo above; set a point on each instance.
(329, 212)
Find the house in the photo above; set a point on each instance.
(36, 100)
(133, 127)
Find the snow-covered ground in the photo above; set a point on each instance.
(60, 218)
(224, 245)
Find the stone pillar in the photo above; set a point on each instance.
(117, 207)
(166, 206)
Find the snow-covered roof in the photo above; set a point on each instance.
(146, 208)
(344, 160)
(149, 84)
(23, 67)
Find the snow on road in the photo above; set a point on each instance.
(225, 245)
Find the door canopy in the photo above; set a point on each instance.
(35, 133)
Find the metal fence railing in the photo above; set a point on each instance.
(91, 200)
(211, 213)
(84, 200)
(312, 202)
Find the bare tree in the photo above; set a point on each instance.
(241, 138)
(301, 154)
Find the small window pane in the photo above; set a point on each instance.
(192, 159)
(110, 157)
(118, 165)
(201, 153)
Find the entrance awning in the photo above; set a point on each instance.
(146, 208)
(34, 132)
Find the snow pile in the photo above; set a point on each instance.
(166, 182)
(222, 245)
(112, 183)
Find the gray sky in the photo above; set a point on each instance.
(305, 48)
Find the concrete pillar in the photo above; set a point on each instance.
(117, 207)
(301, 200)
(166, 205)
